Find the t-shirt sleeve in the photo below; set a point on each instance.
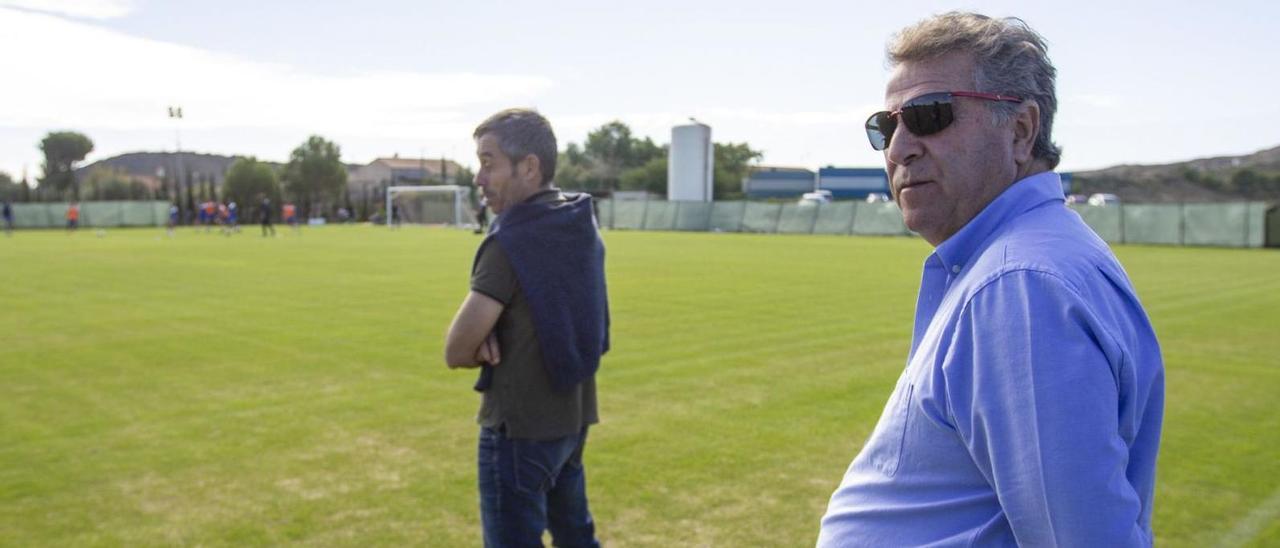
(493, 275)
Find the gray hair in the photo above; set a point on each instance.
(521, 132)
(1010, 59)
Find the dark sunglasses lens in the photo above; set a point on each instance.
(928, 118)
(880, 128)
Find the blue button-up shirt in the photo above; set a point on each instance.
(1029, 411)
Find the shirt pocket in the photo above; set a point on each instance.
(884, 450)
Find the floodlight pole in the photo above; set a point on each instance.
(175, 114)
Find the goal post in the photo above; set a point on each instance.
(430, 204)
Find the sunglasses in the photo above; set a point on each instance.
(924, 115)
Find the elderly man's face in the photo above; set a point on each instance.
(941, 181)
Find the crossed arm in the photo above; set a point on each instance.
(471, 341)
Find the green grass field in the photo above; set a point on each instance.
(204, 390)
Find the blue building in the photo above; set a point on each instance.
(777, 182)
(847, 183)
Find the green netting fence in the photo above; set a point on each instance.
(1236, 224)
(1240, 224)
(92, 214)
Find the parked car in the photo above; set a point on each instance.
(1104, 200)
(1077, 199)
(817, 197)
(877, 198)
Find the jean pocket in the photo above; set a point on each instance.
(538, 463)
(884, 450)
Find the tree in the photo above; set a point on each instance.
(610, 148)
(10, 190)
(465, 177)
(315, 172)
(651, 177)
(106, 183)
(247, 179)
(62, 149)
(732, 165)
(574, 170)
(575, 175)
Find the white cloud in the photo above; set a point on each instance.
(97, 78)
(91, 9)
(93, 78)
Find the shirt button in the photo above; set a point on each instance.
(955, 269)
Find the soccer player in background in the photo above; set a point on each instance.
(264, 216)
(7, 213)
(73, 217)
(290, 214)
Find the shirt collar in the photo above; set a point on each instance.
(1020, 197)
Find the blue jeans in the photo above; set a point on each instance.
(527, 487)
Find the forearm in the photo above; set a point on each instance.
(471, 327)
(459, 354)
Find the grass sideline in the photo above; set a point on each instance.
(249, 391)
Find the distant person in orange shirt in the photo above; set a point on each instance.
(210, 214)
(290, 213)
(73, 216)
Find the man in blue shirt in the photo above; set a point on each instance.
(1030, 407)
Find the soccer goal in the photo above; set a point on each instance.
(435, 204)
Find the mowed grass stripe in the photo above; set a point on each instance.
(257, 391)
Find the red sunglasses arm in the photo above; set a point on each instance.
(987, 96)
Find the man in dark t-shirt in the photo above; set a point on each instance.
(264, 215)
(538, 386)
(7, 213)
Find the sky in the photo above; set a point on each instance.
(1138, 83)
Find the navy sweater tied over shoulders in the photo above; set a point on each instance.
(557, 255)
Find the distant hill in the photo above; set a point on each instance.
(1227, 178)
(146, 166)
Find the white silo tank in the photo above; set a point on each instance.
(691, 166)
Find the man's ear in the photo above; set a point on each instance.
(530, 169)
(1026, 127)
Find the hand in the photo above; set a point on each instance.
(489, 352)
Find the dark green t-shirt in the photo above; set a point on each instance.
(521, 396)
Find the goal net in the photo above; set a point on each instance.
(435, 204)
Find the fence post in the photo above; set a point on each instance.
(1122, 235)
(1245, 243)
(853, 218)
(1182, 223)
(644, 213)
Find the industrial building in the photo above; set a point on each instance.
(767, 182)
(853, 183)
